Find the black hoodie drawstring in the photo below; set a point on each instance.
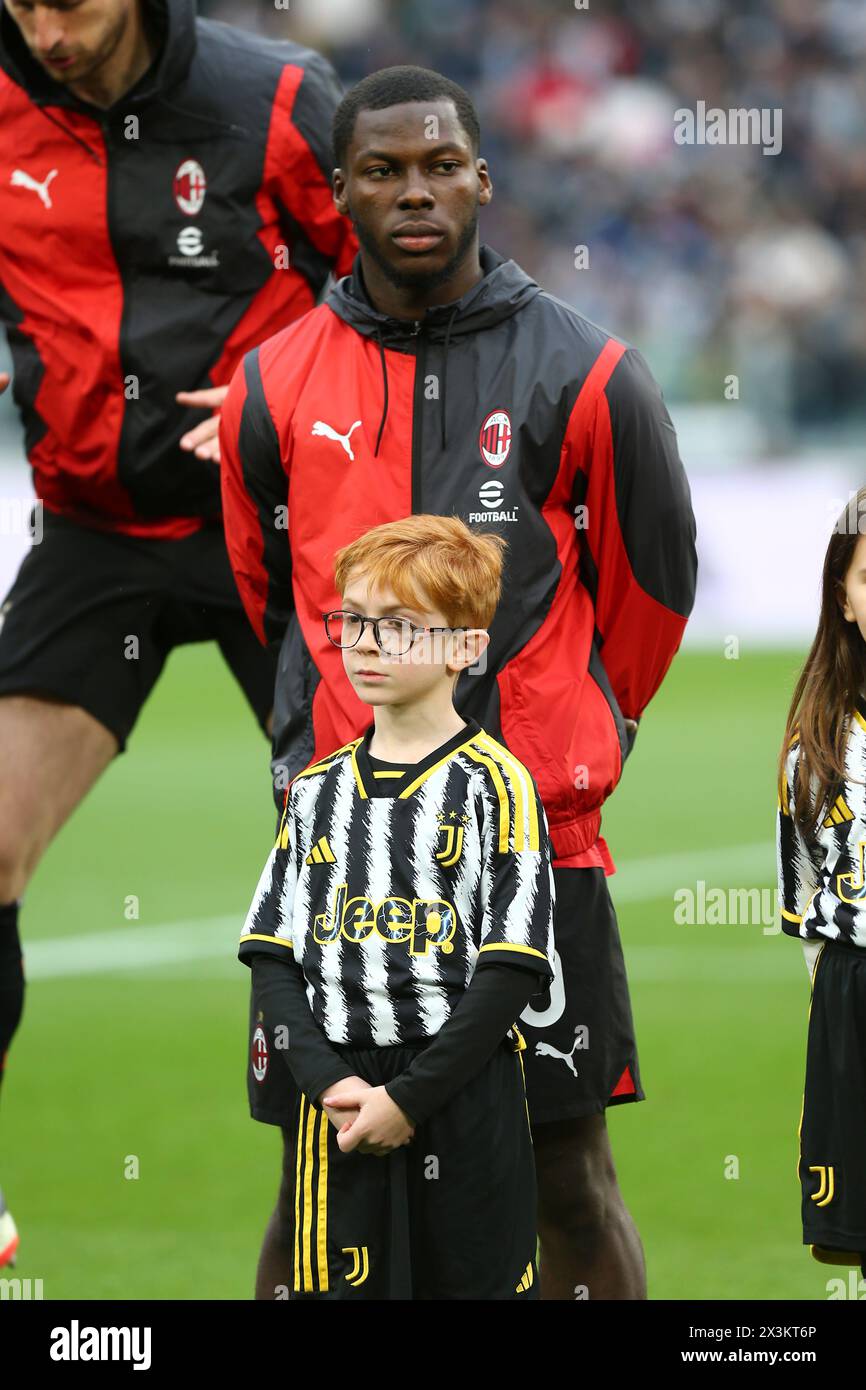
(94, 154)
(443, 396)
(445, 370)
(385, 380)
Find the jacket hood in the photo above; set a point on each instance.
(172, 22)
(503, 289)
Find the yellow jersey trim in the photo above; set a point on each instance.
(523, 789)
(324, 763)
(362, 790)
(512, 946)
(428, 772)
(257, 936)
(501, 792)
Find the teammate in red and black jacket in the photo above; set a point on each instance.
(438, 377)
(144, 256)
(165, 205)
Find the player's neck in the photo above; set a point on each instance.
(412, 302)
(126, 65)
(407, 733)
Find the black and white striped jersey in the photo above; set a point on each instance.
(390, 890)
(822, 891)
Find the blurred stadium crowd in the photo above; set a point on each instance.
(712, 259)
(715, 260)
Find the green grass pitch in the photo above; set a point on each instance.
(148, 1060)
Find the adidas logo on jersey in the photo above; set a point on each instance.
(321, 853)
(838, 814)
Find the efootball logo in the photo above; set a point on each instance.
(190, 186)
(494, 441)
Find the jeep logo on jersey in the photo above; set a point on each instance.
(494, 440)
(190, 186)
(418, 923)
(259, 1054)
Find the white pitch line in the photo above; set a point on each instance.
(132, 947)
(703, 954)
(659, 876)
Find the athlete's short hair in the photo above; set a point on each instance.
(393, 86)
(426, 561)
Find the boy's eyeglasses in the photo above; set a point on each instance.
(394, 636)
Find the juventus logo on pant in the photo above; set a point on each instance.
(827, 1187)
(360, 1264)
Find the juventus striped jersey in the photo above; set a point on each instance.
(822, 889)
(390, 891)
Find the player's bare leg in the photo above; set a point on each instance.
(273, 1272)
(51, 754)
(588, 1238)
(274, 1267)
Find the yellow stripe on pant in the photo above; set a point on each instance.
(311, 1201)
(520, 1048)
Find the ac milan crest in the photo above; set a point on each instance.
(190, 186)
(494, 440)
(259, 1055)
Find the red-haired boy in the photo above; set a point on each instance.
(401, 924)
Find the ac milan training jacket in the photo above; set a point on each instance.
(144, 249)
(511, 410)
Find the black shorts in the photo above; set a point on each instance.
(832, 1162)
(92, 616)
(449, 1216)
(581, 1054)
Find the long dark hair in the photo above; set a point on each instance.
(828, 685)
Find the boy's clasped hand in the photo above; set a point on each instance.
(365, 1117)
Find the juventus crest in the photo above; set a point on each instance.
(450, 842)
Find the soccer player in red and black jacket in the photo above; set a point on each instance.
(438, 377)
(165, 205)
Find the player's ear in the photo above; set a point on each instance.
(338, 185)
(485, 190)
(469, 645)
(844, 602)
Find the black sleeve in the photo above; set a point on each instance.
(497, 995)
(280, 992)
(255, 487)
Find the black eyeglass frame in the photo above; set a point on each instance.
(417, 630)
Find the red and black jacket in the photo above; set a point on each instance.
(514, 412)
(153, 257)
